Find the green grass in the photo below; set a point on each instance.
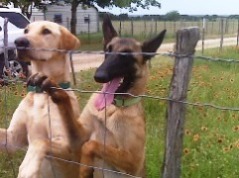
(143, 30)
(211, 142)
(94, 41)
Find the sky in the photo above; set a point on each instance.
(188, 7)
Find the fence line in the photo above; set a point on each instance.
(143, 96)
(169, 54)
(175, 54)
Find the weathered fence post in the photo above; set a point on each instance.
(186, 40)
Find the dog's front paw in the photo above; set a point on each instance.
(42, 82)
(45, 84)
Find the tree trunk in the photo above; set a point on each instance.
(74, 6)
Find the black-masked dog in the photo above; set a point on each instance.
(116, 121)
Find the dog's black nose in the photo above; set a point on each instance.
(101, 76)
(22, 42)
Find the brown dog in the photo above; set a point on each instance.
(116, 121)
(37, 122)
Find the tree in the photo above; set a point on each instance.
(25, 5)
(172, 15)
(132, 5)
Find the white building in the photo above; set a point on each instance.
(87, 18)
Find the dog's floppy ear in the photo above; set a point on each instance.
(152, 45)
(68, 41)
(108, 30)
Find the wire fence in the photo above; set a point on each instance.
(207, 105)
(146, 96)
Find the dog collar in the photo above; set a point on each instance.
(63, 85)
(120, 102)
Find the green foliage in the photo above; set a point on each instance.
(25, 5)
(172, 16)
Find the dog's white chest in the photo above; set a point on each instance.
(40, 103)
(45, 118)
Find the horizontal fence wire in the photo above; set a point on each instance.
(157, 98)
(169, 53)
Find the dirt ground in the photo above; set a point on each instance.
(87, 61)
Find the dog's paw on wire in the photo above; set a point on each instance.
(47, 85)
(57, 94)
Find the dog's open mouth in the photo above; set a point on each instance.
(106, 96)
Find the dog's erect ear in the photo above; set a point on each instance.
(68, 41)
(108, 30)
(152, 45)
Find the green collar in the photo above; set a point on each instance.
(120, 102)
(63, 85)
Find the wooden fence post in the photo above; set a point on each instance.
(186, 40)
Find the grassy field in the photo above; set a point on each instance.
(211, 142)
(142, 30)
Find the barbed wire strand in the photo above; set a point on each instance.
(156, 97)
(169, 54)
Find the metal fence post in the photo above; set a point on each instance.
(6, 44)
(120, 28)
(72, 68)
(185, 47)
(237, 31)
(132, 27)
(203, 33)
(222, 32)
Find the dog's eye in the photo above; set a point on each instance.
(46, 31)
(26, 31)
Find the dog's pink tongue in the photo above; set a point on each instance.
(104, 99)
